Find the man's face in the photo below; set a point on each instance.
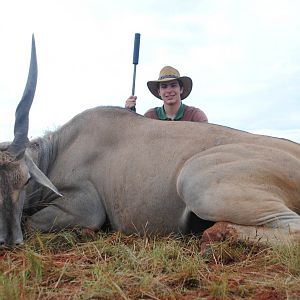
(170, 92)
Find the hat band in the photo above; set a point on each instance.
(167, 76)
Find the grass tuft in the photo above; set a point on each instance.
(70, 265)
(288, 256)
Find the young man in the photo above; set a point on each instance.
(171, 88)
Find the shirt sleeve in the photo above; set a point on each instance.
(199, 116)
(150, 114)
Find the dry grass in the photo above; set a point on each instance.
(114, 266)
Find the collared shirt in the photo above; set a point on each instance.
(184, 113)
(161, 113)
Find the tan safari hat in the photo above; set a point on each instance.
(166, 74)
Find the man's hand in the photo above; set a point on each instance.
(130, 102)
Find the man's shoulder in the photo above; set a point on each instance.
(195, 114)
(191, 108)
(150, 110)
(151, 113)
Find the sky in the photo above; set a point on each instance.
(242, 55)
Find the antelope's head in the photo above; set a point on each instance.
(16, 167)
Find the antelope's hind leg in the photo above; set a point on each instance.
(249, 198)
(222, 231)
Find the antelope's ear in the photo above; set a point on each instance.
(39, 176)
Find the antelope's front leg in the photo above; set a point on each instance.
(80, 209)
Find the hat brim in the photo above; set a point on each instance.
(187, 85)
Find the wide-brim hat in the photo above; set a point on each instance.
(166, 74)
